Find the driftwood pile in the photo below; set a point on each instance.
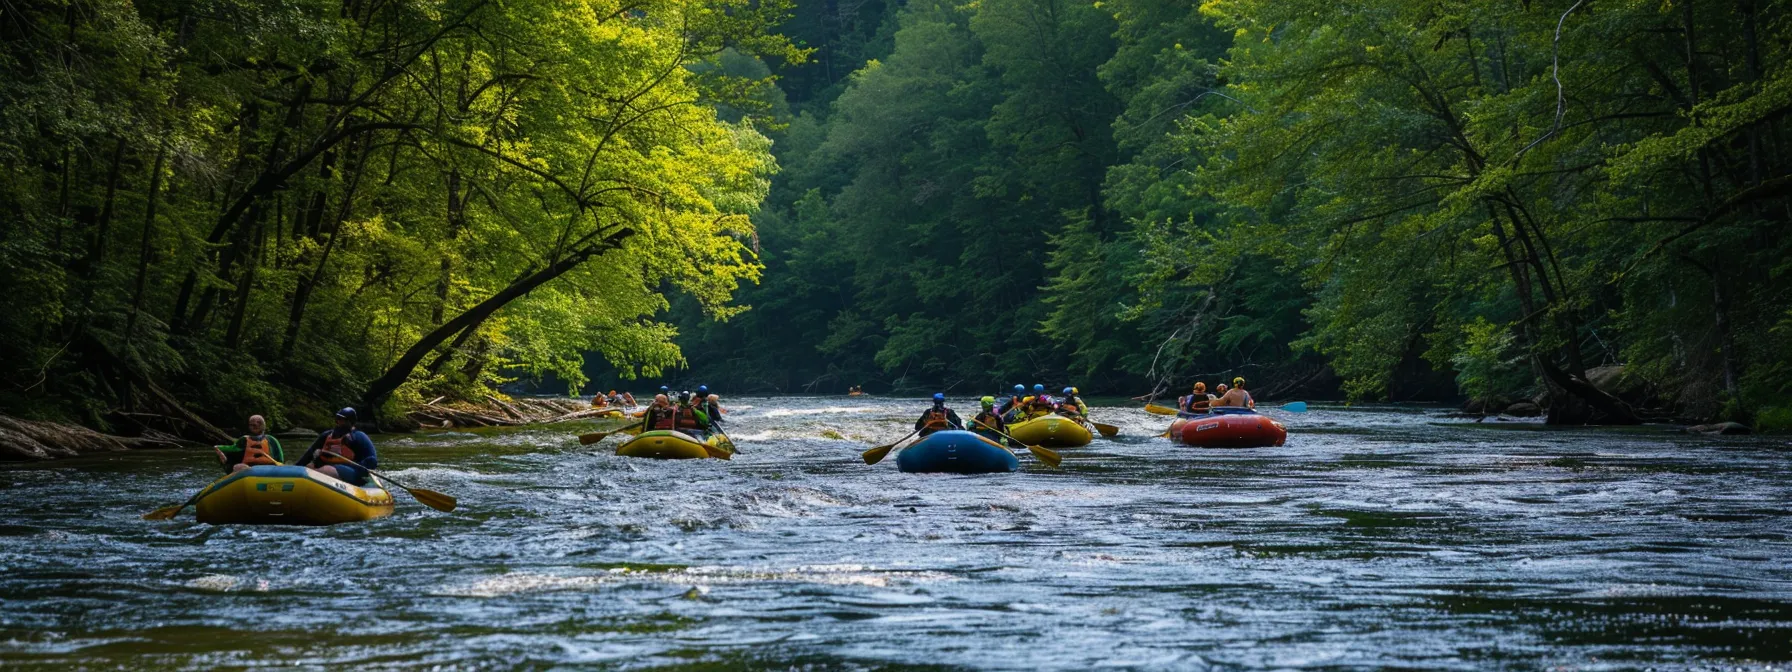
(500, 413)
(32, 440)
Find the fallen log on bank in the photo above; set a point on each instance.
(35, 440)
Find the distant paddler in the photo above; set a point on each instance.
(938, 417)
(988, 422)
(1235, 397)
(1197, 401)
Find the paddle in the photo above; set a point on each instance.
(429, 498)
(1107, 431)
(1159, 410)
(171, 510)
(876, 455)
(594, 437)
(1295, 407)
(1046, 455)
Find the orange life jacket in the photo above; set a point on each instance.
(256, 452)
(687, 418)
(936, 419)
(662, 418)
(338, 444)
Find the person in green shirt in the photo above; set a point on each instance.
(254, 449)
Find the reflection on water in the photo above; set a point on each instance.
(1376, 538)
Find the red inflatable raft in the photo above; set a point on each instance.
(1232, 428)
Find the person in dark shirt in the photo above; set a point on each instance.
(343, 441)
(938, 418)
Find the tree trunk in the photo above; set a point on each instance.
(381, 388)
(149, 229)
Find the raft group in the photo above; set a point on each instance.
(337, 479)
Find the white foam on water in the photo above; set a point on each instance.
(701, 578)
(826, 410)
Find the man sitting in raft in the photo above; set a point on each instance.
(938, 418)
(628, 399)
(254, 449)
(1236, 397)
(1197, 400)
(1013, 402)
(710, 404)
(657, 415)
(1040, 403)
(347, 442)
(988, 422)
(690, 417)
(1072, 405)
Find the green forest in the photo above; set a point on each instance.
(217, 207)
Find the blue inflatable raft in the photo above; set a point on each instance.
(955, 452)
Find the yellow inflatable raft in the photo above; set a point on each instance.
(666, 444)
(288, 495)
(1052, 431)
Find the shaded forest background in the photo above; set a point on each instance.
(1406, 200)
(217, 207)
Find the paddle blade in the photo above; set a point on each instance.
(717, 452)
(1164, 435)
(164, 513)
(876, 455)
(433, 499)
(593, 437)
(1159, 410)
(1046, 455)
(1107, 431)
(1295, 407)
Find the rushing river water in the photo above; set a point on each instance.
(1375, 538)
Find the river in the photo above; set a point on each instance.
(1377, 538)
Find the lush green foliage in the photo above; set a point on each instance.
(1394, 193)
(258, 204)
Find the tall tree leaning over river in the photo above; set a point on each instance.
(231, 207)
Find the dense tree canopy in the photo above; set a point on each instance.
(1377, 196)
(254, 206)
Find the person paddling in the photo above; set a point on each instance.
(988, 422)
(1040, 403)
(1072, 404)
(1012, 403)
(938, 418)
(252, 450)
(1236, 397)
(657, 415)
(1197, 401)
(343, 441)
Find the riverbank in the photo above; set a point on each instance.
(34, 440)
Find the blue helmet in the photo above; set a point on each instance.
(1039, 388)
(1020, 389)
(665, 389)
(347, 413)
(1067, 391)
(702, 389)
(939, 397)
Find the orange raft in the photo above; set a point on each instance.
(1228, 428)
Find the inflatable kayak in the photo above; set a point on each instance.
(1052, 431)
(667, 444)
(1228, 428)
(955, 452)
(288, 495)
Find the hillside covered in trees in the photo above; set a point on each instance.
(1386, 199)
(216, 207)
